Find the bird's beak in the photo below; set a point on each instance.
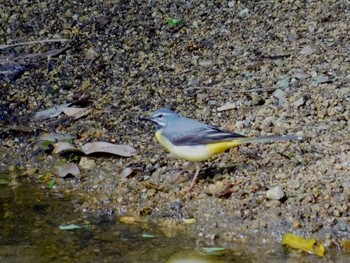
(145, 118)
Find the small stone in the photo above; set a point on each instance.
(320, 79)
(294, 184)
(242, 124)
(279, 94)
(231, 4)
(244, 13)
(343, 225)
(86, 163)
(257, 100)
(300, 102)
(176, 205)
(275, 193)
(206, 112)
(201, 97)
(307, 50)
(268, 122)
(205, 63)
(126, 172)
(296, 224)
(283, 83)
(193, 82)
(228, 106)
(300, 74)
(91, 53)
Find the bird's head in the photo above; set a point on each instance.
(161, 117)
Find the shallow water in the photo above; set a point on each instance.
(31, 216)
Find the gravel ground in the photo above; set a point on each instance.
(253, 67)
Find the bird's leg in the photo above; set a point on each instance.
(193, 183)
(185, 166)
(177, 176)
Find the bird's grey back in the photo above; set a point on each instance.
(185, 131)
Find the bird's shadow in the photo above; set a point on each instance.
(210, 172)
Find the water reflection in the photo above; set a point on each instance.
(31, 216)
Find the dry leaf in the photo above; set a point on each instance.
(69, 168)
(61, 147)
(49, 113)
(127, 220)
(76, 113)
(105, 147)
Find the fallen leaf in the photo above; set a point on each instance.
(57, 137)
(213, 250)
(61, 147)
(346, 245)
(148, 236)
(50, 113)
(69, 169)
(4, 181)
(175, 22)
(69, 227)
(52, 184)
(76, 113)
(189, 221)
(308, 245)
(105, 147)
(127, 220)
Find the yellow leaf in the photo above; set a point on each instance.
(127, 220)
(308, 245)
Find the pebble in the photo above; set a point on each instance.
(307, 50)
(279, 94)
(294, 184)
(205, 63)
(227, 106)
(257, 100)
(343, 225)
(231, 4)
(87, 163)
(320, 79)
(299, 102)
(244, 13)
(267, 122)
(275, 193)
(283, 83)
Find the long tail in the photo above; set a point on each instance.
(272, 138)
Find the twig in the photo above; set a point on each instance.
(43, 55)
(227, 90)
(35, 42)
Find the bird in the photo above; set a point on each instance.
(194, 141)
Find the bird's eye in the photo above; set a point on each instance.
(160, 116)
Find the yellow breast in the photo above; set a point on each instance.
(194, 153)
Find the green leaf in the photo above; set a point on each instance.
(52, 184)
(213, 250)
(148, 236)
(69, 227)
(4, 181)
(175, 22)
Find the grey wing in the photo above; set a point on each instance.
(190, 132)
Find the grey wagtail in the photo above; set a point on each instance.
(194, 141)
